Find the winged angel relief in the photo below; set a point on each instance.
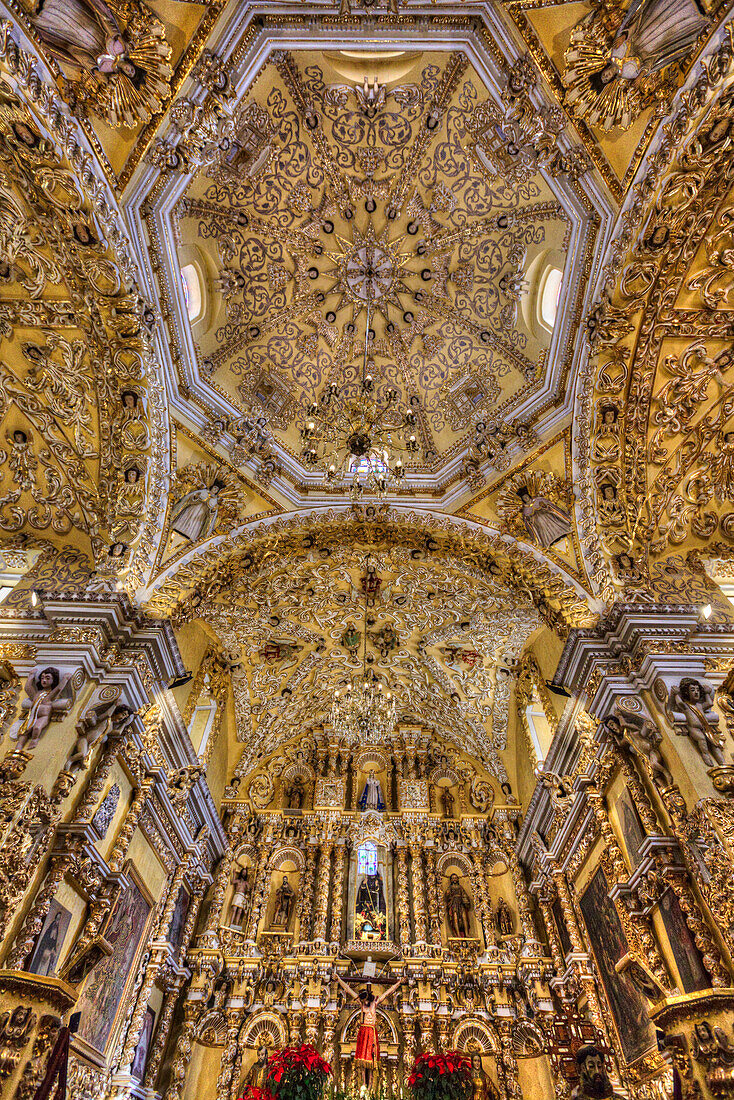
(621, 57)
(115, 59)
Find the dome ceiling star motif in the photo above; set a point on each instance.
(352, 201)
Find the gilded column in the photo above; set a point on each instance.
(337, 901)
(434, 910)
(546, 895)
(403, 898)
(262, 879)
(419, 911)
(322, 891)
(222, 878)
(521, 890)
(481, 896)
(305, 908)
(165, 1019)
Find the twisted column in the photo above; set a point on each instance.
(419, 912)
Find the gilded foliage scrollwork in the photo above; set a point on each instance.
(660, 452)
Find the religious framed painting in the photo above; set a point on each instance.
(609, 945)
(104, 993)
(630, 826)
(688, 958)
(50, 942)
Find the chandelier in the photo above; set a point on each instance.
(359, 440)
(366, 711)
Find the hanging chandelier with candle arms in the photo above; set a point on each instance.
(365, 711)
(360, 440)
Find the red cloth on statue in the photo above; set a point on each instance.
(368, 1048)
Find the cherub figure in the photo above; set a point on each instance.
(692, 707)
(98, 723)
(644, 737)
(49, 696)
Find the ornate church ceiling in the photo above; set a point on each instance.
(296, 169)
(333, 201)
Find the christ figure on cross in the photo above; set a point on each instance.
(367, 1054)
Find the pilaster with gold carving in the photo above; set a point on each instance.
(312, 1020)
(703, 937)
(337, 901)
(171, 993)
(92, 792)
(153, 968)
(577, 942)
(235, 1023)
(403, 897)
(509, 1062)
(59, 867)
(181, 1057)
(322, 890)
(261, 883)
(426, 1026)
(546, 896)
(482, 903)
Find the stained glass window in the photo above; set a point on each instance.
(367, 859)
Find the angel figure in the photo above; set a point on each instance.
(692, 707)
(616, 67)
(49, 696)
(99, 723)
(644, 738)
(22, 461)
(129, 69)
(194, 515)
(526, 504)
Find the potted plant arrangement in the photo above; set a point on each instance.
(441, 1077)
(295, 1073)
